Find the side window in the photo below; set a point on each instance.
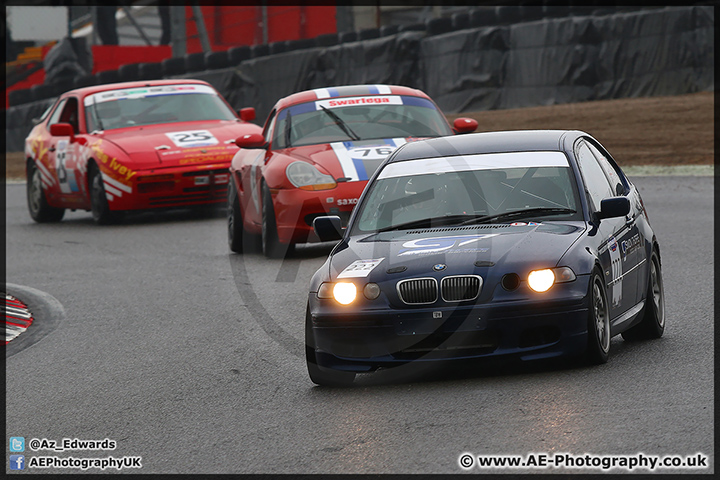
(55, 117)
(593, 175)
(70, 113)
(46, 113)
(66, 112)
(616, 181)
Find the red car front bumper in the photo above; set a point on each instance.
(170, 187)
(295, 209)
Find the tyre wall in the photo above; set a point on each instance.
(655, 52)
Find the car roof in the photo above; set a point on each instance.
(82, 92)
(347, 91)
(487, 142)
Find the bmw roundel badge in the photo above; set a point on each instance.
(440, 266)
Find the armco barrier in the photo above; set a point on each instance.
(572, 58)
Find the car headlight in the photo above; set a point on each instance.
(542, 280)
(306, 177)
(344, 293)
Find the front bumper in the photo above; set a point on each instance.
(170, 188)
(295, 209)
(364, 341)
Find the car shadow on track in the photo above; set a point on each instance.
(147, 217)
(624, 355)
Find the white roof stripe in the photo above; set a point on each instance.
(484, 161)
(322, 93)
(384, 89)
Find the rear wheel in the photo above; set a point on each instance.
(652, 324)
(39, 209)
(98, 200)
(271, 245)
(318, 374)
(598, 346)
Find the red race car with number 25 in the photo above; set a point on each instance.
(315, 155)
(132, 146)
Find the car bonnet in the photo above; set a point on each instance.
(516, 247)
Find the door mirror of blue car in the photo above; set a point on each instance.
(614, 207)
(328, 228)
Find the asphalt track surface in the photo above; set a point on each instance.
(191, 357)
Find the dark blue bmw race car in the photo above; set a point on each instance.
(531, 244)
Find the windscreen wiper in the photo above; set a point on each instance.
(526, 212)
(288, 129)
(343, 126)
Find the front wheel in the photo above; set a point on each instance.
(38, 206)
(598, 344)
(320, 375)
(235, 222)
(98, 200)
(652, 324)
(271, 245)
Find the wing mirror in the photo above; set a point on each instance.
(328, 228)
(465, 125)
(62, 130)
(247, 114)
(614, 207)
(251, 140)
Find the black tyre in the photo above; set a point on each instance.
(271, 246)
(98, 200)
(236, 232)
(320, 375)
(39, 209)
(598, 346)
(652, 324)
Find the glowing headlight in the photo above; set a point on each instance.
(305, 176)
(344, 293)
(541, 280)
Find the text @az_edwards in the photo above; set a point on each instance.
(19, 461)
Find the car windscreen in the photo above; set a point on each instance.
(358, 118)
(152, 105)
(489, 188)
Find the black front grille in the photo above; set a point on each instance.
(417, 291)
(460, 288)
(198, 173)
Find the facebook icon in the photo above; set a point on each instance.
(17, 462)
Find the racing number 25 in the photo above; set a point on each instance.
(192, 137)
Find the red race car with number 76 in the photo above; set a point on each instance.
(315, 155)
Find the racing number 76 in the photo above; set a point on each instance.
(380, 151)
